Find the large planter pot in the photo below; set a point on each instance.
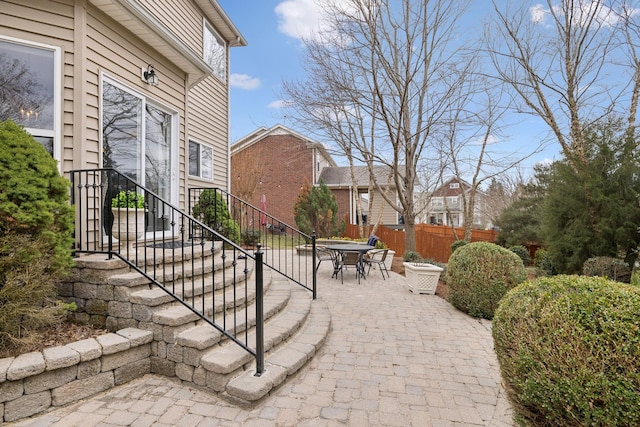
(128, 224)
(388, 261)
(422, 278)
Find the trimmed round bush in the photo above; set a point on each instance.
(522, 252)
(479, 274)
(568, 348)
(542, 262)
(458, 244)
(608, 267)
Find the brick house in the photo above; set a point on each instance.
(276, 162)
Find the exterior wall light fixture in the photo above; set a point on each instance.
(149, 76)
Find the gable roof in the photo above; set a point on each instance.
(262, 132)
(446, 190)
(340, 177)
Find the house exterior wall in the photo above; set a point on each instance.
(343, 197)
(284, 164)
(389, 214)
(93, 45)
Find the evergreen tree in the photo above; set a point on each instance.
(520, 223)
(594, 211)
(316, 210)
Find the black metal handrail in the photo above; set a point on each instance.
(169, 247)
(281, 242)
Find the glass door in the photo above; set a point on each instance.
(137, 140)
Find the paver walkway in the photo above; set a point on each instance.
(392, 359)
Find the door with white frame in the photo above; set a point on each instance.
(138, 139)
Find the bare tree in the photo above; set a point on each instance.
(571, 63)
(379, 84)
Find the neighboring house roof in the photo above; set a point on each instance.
(446, 190)
(340, 177)
(140, 21)
(262, 132)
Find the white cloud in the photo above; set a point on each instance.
(299, 19)
(584, 9)
(281, 103)
(244, 81)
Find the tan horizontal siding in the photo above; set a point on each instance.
(182, 17)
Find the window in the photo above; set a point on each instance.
(454, 185)
(200, 160)
(452, 201)
(215, 52)
(29, 92)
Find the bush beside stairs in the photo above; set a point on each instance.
(110, 294)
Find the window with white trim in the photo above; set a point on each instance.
(200, 160)
(454, 185)
(29, 89)
(214, 52)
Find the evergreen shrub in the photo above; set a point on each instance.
(542, 262)
(479, 274)
(568, 349)
(457, 244)
(522, 252)
(608, 267)
(34, 197)
(212, 210)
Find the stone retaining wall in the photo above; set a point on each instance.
(33, 382)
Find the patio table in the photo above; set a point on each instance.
(341, 249)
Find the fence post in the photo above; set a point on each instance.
(259, 313)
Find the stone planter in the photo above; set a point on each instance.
(388, 261)
(422, 278)
(128, 225)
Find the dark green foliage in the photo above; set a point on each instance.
(250, 237)
(522, 252)
(593, 210)
(479, 274)
(607, 267)
(411, 256)
(27, 288)
(520, 223)
(34, 197)
(568, 348)
(128, 199)
(542, 262)
(213, 211)
(457, 244)
(316, 210)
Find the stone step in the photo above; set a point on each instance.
(286, 361)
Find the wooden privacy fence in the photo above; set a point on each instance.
(432, 241)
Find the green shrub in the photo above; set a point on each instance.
(34, 197)
(411, 256)
(568, 348)
(608, 267)
(212, 210)
(457, 244)
(522, 252)
(635, 273)
(251, 237)
(479, 274)
(542, 262)
(27, 289)
(128, 199)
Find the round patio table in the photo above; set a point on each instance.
(340, 250)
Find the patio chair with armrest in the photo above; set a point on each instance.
(324, 254)
(351, 258)
(377, 257)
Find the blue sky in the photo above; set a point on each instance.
(274, 52)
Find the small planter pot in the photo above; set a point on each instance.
(128, 225)
(422, 278)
